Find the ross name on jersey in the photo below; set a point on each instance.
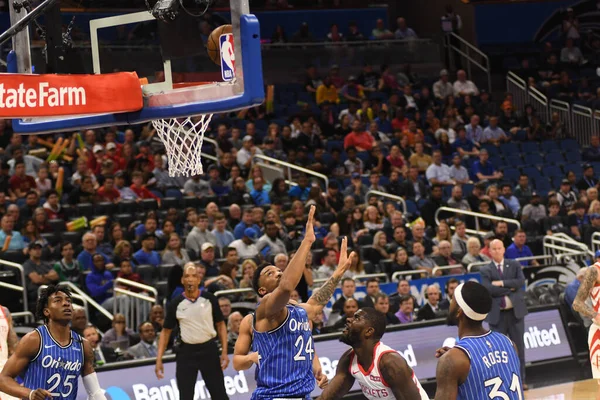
(495, 357)
(50, 362)
(296, 326)
(381, 393)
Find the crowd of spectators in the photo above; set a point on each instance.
(432, 144)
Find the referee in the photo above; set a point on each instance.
(200, 320)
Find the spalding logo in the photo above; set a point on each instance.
(227, 57)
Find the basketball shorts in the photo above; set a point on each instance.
(594, 345)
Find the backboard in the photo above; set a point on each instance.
(167, 99)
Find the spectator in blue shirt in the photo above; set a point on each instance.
(99, 282)
(16, 242)
(463, 146)
(247, 222)
(259, 196)
(147, 255)
(300, 191)
(483, 169)
(218, 186)
(573, 286)
(518, 249)
(474, 131)
(384, 123)
(511, 201)
(90, 243)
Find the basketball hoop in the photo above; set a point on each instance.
(183, 139)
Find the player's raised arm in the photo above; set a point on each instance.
(320, 297)
(242, 357)
(583, 293)
(399, 376)
(342, 381)
(276, 301)
(88, 374)
(26, 350)
(452, 370)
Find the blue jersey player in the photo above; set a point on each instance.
(282, 331)
(53, 357)
(483, 364)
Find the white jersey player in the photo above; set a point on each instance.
(381, 371)
(8, 343)
(590, 290)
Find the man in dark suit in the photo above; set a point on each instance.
(146, 348)
(505, 280)
(348, 289)
(414, 188)
(372, 290)
(431, 308)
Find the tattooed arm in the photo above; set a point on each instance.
(320, 297)
(452, 370)
(12, 338)
(588, 282)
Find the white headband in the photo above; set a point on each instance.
(465, 307)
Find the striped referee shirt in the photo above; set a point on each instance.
(196, 318)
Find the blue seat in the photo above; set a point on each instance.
(491, 149)
(513, 161)
(549, 145)
(512, 174)
(556, 180)
(509, 148)
(534, 159)
(363, 155)
(542, 186)
(306, 97)
(569, 145)
(575, 168)
(411, 207)
(530, 147)
(467, 189)
(334, 144)
(573, 156)
(552, 170)
(497, 161)
(532, 172)
(554, 158)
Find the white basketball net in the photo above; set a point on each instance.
(183, 142)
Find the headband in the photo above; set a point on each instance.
(465, 307)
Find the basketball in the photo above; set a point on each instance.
(213, 47)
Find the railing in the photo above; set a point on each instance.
(365, 277)
(470, 53)
(448, 268)
(25, 315)
(291, 167)
(595, 242)
(234, 291)
(539, 101)
(476, 264)
(477, 215)
(560, 244)
(518, 87)
(135, 306)
(20, 289)
(389, 196)
(270, 172)
(546, 257)
(582, 121)
(397, 275)
(564, 111)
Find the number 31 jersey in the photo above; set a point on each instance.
(285, 357)
(56, 368)
(495, 368)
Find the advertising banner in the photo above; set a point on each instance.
(545, 339)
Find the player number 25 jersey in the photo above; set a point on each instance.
(56, 368)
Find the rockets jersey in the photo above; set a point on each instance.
(56, 368)
(371, 382)
(495, 371)
(595, 292)
(285, 356)
(4, 328)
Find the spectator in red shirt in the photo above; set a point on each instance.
(113, 153)
(108, 192)
(359, 138)
(20, 183)
(139, 189)
(146, 154)
(400, 123)
(52, 205)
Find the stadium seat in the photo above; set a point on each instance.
(164, 270)
(530, 147)
(72, 237)
(191, 201)
(573, 156)
(57, 225)
(492, 149)
(105, 208)
(554, 158)
(128, 206)
(369, 267)
(542, 185)
(149, 204)
(85, 210)
(514, 161)
(533, 159)
(334, 144)
(326, 218)
(511, 174)
(147, 273)
(552, 171)
(168, 202)
(576, 168)
(15, 256)
(411, 207)
(365, 240)
(569, 145)
(549, 145)
(532, 172)
(124, 219)
(509, 148)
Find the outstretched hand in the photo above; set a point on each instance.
(310, 230)
(343, 252)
